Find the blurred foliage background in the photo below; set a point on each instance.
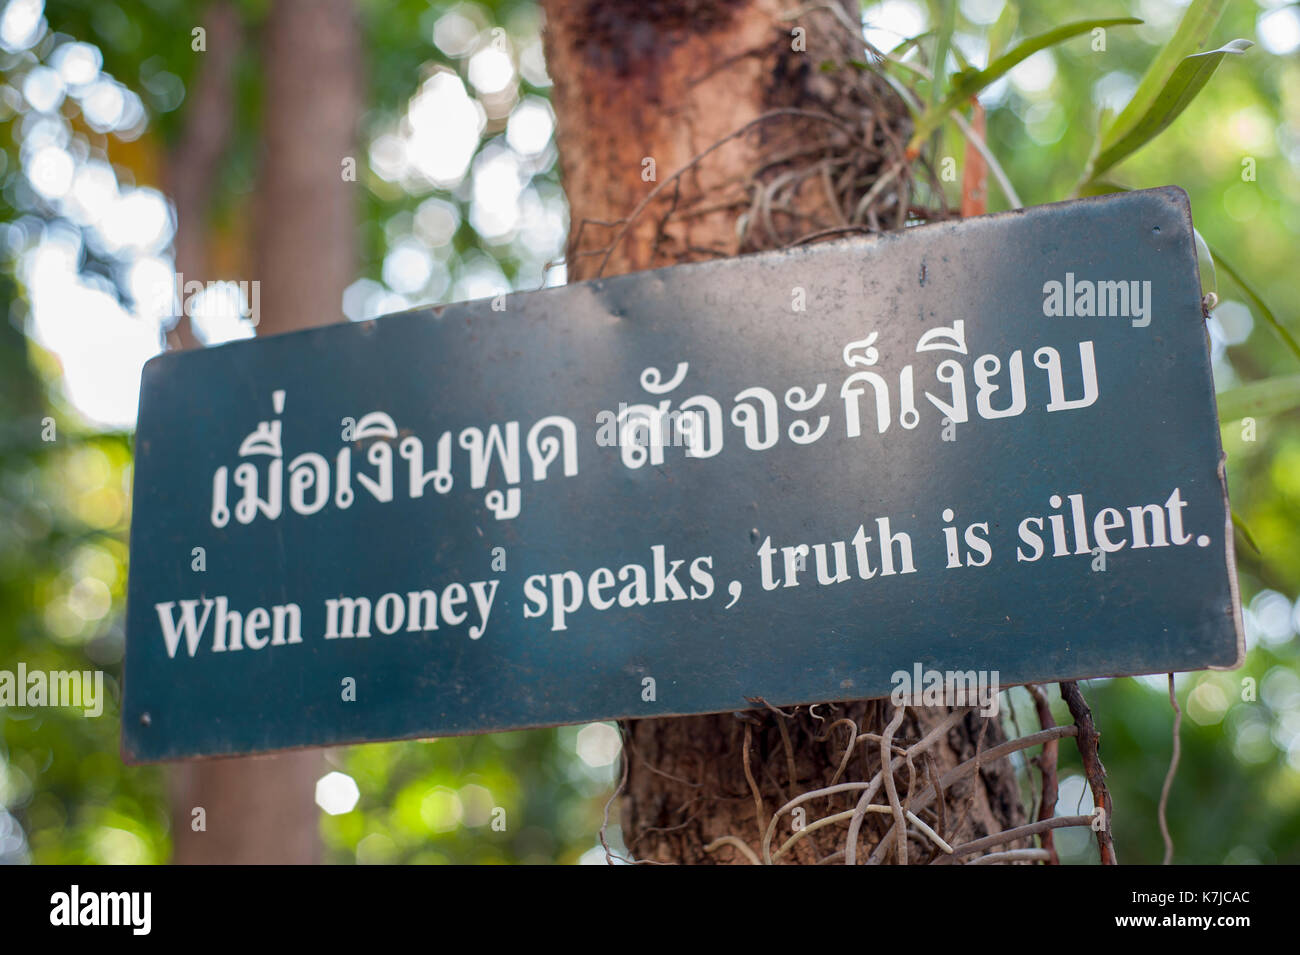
(461, 199)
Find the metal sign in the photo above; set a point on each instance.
(987, 446)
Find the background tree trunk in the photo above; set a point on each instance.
(306, 237)
(641, 80)
(262, 810)
(194, 162)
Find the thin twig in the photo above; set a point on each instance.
(848, 814)
(737, 844)
(974, 764)
(1020, 832)
(848, 750)
(823, 233)
(925, 743)
(749, 776)
(1047, 761)
(1014, 855)
(865, 202)
(968, 768)
(785, 740)
(891, 790)
(860, 813)
(932, 771)
(1089, 742)
(1169, 778)
(609, 854)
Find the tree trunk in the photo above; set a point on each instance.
(306, 239)
(193, 163)
(643, 88)
(262, 810)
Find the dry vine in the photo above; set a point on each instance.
(913, 810)
(1169, 778)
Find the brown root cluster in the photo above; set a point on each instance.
(811, 786)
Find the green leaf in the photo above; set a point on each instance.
(1267, 313)
(1249, 538)
(905, 45)
(1101, 188)
(947, 23)
(1186, 81)
(1259, 398)
(963, 65)
(1191, 35)
(1003, 28)
(971, 84)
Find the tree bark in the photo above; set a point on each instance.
(262, 810)
(193, 163)
(306, 238)
(665, 80)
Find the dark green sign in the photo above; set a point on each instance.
(986, 448)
